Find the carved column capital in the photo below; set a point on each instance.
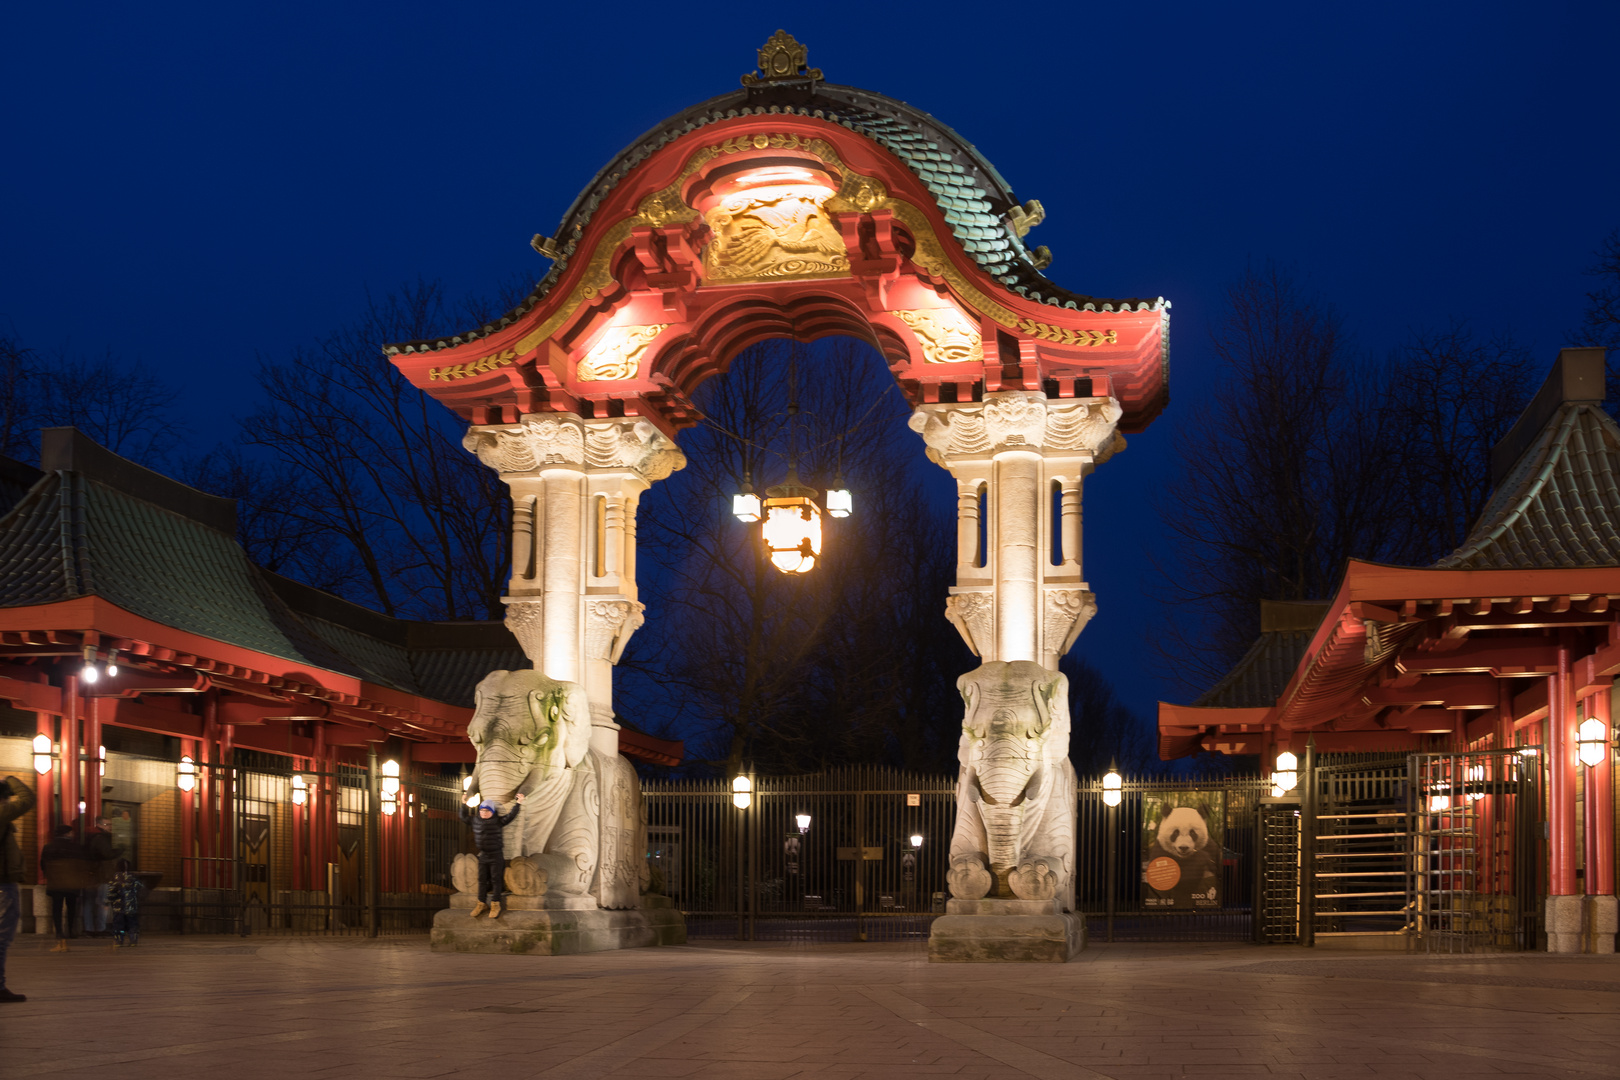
(1064, 613)
(609, 622)
(973, 613)
(546, 439)
(525, 618)
(959, 433)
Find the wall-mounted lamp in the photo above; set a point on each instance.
(804, 822)
(742, 788)
(188, 773)
(42, 754)
(1593, 741)
(390, 786)
(300, 790)
(1285, 777)
(916, 840)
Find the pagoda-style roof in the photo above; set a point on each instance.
(972, 196)
(796, 208)
(1255, 680)
(1402, 653)
(1557, 502)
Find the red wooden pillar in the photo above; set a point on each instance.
(45, 790)
(1561, 766)
(296, 817)
(227, 808)
(101, 709)
(1600, 808)
(208, 794)
(318, 802)
(72, 748)
(188, 818)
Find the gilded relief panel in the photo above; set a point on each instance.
(762, 236)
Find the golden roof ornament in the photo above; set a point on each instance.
(782, 59)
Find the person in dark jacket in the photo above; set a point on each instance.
(68, 872)
(98, 847)
(487, 825)
(16, 799)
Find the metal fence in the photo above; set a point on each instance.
(855, 854)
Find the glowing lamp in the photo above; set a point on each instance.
(300, 790)
(745, 505)
(1593, 740)
(742, 789)
(1475, 776)
(916, 840)
(112, 664)
(839, 502)
(466, 782)
(1113, 787)
(472, 801)
(792, 526)
(389, 806)
(42, 754)
(1440, 801)
(804, 822)
(188, 773)
(101, 759)
(390, 779)
(1286, 776)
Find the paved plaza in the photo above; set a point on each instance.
(243, 1008)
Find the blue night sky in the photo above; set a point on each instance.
(193, 186)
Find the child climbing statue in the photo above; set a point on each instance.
(487, 825)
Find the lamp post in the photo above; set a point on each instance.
(1113, 795)
(742, 797)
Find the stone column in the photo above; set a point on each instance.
(575, 487)
(1017, 445)
(1012, 854)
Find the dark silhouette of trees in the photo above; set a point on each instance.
(852, 661)
(1309, 453)
(359, 484)
(118, 404)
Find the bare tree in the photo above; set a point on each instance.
(852, 661)
(1600, 322)
(408, 522)
(1309, 454)
(1103, 729)
(124, 408)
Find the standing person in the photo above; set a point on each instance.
(67, 875)
(98, 848)
(486, 826)
(16, 799)
(124, 901)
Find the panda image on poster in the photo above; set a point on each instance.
(1181, 864)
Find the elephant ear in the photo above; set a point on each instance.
(576, 717)
(1056, 692)
(478, 726)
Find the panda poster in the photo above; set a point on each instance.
(1182, 833)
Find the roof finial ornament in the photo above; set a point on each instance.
(782, 59)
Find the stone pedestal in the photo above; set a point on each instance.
(1006, 931)
(551, 926)
(1601, 923)
(1565, 914)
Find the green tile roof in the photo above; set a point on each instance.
(1559, 505)
(969, 191)
(72, 536)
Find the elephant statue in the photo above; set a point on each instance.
(582, 829)
(1015, 795)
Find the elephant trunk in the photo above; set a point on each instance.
(499, 777)
(1003, 827)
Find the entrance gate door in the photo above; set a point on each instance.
(869, 864)
(1476, 850)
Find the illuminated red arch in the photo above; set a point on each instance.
(905, 196)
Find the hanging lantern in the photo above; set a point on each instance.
(745, 504)
(187, 773)
(792, 526)
(839, 502)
